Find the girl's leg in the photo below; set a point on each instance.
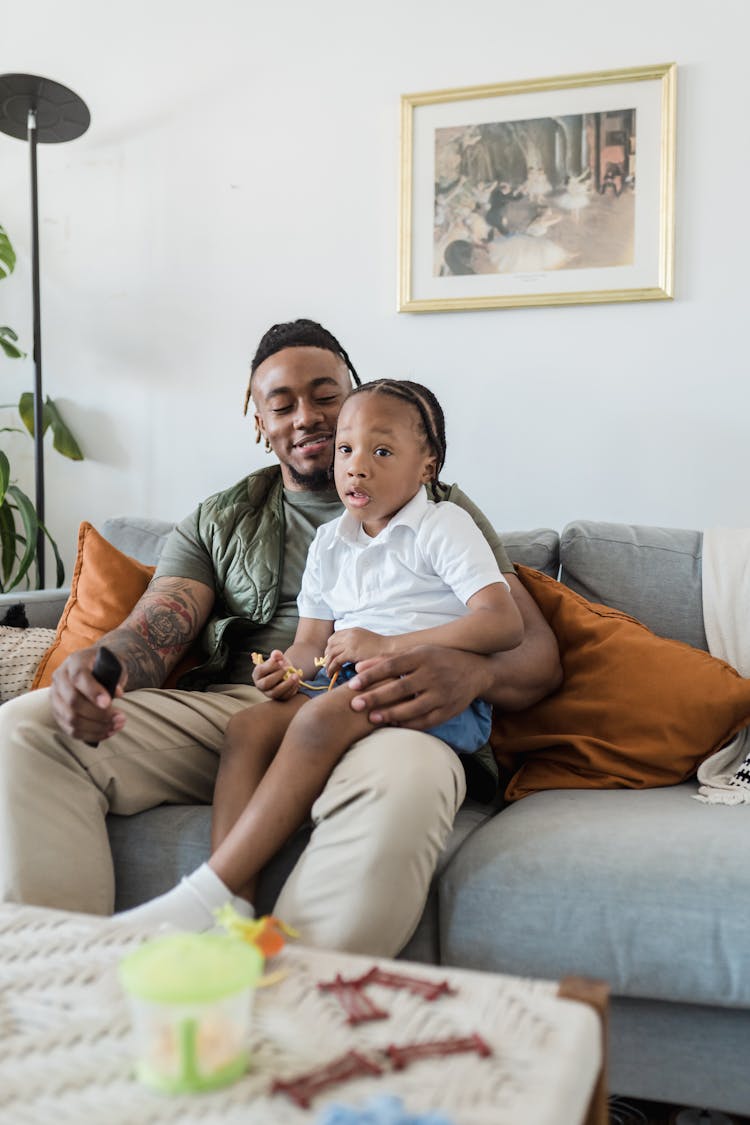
(251, 740)
(192, 903)
(282, 800)
(317, 737)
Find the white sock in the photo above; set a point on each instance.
(190, 905)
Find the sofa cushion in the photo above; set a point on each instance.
(20, 653)
(642, 889)
(651, 573)
(539, 548)
(139, 537)
(106, 585)
(634, 709)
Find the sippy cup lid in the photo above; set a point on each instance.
(189, 968)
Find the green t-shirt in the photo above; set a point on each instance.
(185, 556)
(304, 512)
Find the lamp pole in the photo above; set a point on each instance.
(39, 111)
(31, 131)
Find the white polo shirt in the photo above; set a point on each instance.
(417, 573)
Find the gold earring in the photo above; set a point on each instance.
(268, 445)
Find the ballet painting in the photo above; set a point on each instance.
(555, 191)
(526, 196)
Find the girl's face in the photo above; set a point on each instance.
(381, 458)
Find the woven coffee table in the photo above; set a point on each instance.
(65, 1052)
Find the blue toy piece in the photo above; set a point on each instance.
(383, 1110)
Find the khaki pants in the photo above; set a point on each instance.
(362, 881)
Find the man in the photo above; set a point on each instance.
(231, 572)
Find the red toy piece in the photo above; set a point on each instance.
(306, 1086)
(356, 1003)
(401, 1056)
(427, 989)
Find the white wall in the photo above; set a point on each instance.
(242, 167)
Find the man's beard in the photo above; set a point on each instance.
(320, 480)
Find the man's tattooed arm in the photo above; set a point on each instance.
(162, 625)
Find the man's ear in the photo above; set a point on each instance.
(260, 429)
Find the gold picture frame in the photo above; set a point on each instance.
(525, 193)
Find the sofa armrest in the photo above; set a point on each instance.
(43, 607)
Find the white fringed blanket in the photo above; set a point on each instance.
(725, 776)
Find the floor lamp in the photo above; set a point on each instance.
(39, 111)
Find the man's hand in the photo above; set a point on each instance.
(353, 645)
(426, 685)
(165, 620)
(418, 688)
(81, 706)
(271, 678)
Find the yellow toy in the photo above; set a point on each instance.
(267, 934)
(258, 658)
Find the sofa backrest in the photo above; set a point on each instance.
(539, 548)
(142, 539)
(652, 573)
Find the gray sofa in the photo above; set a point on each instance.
(645, 889)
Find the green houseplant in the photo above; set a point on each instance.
(19, 523)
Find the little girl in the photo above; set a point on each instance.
(394, 571)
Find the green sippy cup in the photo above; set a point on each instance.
(191, 999)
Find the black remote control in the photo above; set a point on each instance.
(107, 670)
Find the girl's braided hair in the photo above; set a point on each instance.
(430, 414)
(300, 333)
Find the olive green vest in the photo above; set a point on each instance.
(243, 531)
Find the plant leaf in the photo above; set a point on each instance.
(7, 336)
(30, 526)
(7, 255)
(8, 542)
(4, 476)
(63, 440)
(26, 410)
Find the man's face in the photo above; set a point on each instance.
(298, 393)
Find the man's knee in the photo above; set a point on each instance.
(21, 717)
(380, 824)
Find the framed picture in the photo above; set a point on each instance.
(554, 191)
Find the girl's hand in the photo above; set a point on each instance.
(353, 645)
(270, 677)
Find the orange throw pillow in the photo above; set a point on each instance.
(106, 585)
(635, 710)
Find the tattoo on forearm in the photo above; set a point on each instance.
(144, 666)
(156, 634)
(168, 623)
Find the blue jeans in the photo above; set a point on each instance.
(466, 732)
